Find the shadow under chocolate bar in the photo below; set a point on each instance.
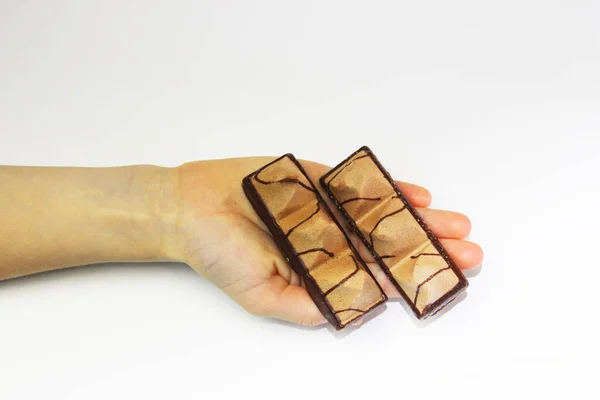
(312, 241)
(400, 241)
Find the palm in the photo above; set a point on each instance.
(223, 239)
(241, 259)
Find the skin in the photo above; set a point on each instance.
(197, 213)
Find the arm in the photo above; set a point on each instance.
(197, 213)
(58, 217)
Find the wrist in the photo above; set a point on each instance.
(154, 193)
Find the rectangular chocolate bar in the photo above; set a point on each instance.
(401, 243)
(312, 241)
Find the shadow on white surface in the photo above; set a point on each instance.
(91, 269)
(30, 282)
(337, 334)
(432, 319)
(471, 273)
(356, 325)
(273, 321)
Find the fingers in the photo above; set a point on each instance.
(443, 224)
(466, 255)
(417, 195)
(446, 224)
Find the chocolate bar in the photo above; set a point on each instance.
(401, 243)
(312, 241)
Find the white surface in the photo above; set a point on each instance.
(495, 108)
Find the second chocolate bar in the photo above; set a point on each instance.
(312, 241)
(400, 241)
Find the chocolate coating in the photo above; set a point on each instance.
(312, 241)
(402, 244)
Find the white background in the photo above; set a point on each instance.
(494, 106)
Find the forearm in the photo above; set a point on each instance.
(55, 217)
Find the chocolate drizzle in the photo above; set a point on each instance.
(346, 166)
(330, 254)
(425, 254)
(427, 280)
(360, 198)
(381, 220)
(413, 257)
(370, 177)
(340, 283)
(284, 180)
(304, 220)
(357, 296)
(351, 309)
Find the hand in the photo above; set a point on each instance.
(222, 238)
